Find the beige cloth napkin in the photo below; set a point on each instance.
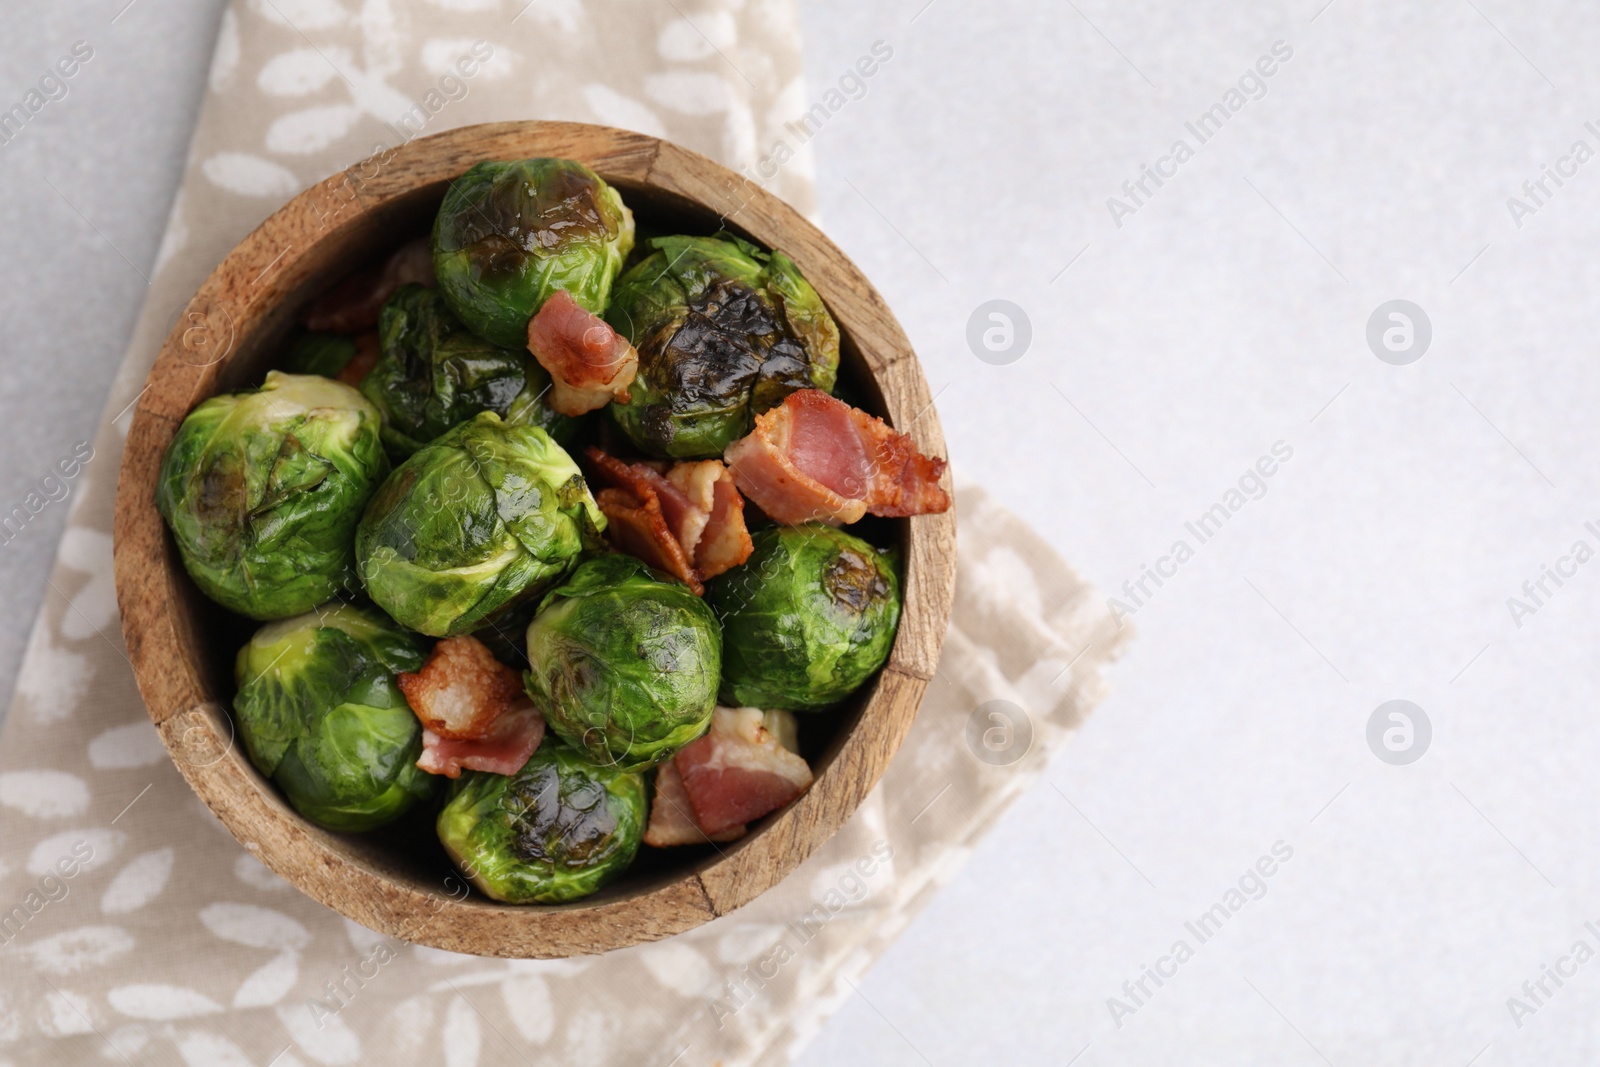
(134, 928)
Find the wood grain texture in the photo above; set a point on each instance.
(230, 334)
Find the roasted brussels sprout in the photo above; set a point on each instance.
(624, 663)
(806, 619)
(475, 523)
(321, 715)
(435, 374)
(510, 234)
(724, 331)
(262, 491)
(557, 830)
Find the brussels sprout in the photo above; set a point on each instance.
(321, 715)
(724, 332)
(262, 491)
(806, 619)
(624, 663)
(320, 353)
(510, 234)
(478, 521)
(557, 830)
(435, 374)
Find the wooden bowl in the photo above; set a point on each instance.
(182, 646)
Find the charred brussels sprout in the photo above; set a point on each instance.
(320, 714)
(435, 374)
(724, 332)
(557, 830)
(806, 619)
(624, 663)
(510, 234)
(262, 491)
(474, 524)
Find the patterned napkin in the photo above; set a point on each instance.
(134, 928)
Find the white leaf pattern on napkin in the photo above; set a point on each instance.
(611, 108)
(461, 1035)
(134, 745)
(253, 872)
(683, 41)
(269, 983)
(202, 1048)
(693, 93)
(78, 950)
(301, 71)
(303, 132)
(250, 175)
(93, 612)
(92, 845)
(302, 15)
(138, 883)
(52, 690)
(64, 1013)
(327, 1039)
(44, 794)
(530, 1007)
(158, 1001)
(248, 924)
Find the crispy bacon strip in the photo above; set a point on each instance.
(688, 521)
(713, 531)
(815, 458)
(634, 519)
(503, 749)
(738, 771)
(352, 306)
(461, 689)
(473, 711)
(590, 364)
(672, 816)
(636, 527)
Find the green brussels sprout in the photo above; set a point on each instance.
(623, 662)
(320, 353)
(510, 234)
(321, 715)
(724, 331)
(434, 374)
(557, 830)
(262, 491)
(806, 619)
(476, 522)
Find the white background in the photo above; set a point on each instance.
(1229, 313)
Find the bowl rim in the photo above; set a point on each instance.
(249, 291)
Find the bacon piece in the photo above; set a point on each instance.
(368, 348)
(816, 458)
(461, 690)
(738, 771)
(672, 817)
(714, 533)
(503, 748)
(722, 539)
(590, 364)
(634, 519)
(688, 522)
(689, 490)
(637, 528)
(352, 306)
(473, 711)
